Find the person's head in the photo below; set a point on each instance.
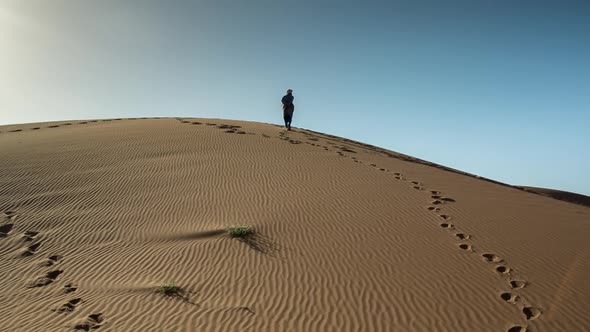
(289, 91)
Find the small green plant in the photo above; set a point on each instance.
(240, 231)
(170, 289)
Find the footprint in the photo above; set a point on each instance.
(30, 235)
(184, 121)
(35, 128)
(418, 188)
(463, 236)
(517, 284)
(445, 217)
(68, 306)
(466, 246)
(382, 169)
(5, 229)
(436, 196)
(447, 225)
(447, 199)
(196, 123)
(45, 280)
(433, 208)
(247, 309)
(436, 202)
(492, 258)
(510, 298)
(50, 260)
(9, 214)
(224, 126)
(30, 250)
(416, 183)
(70, 288)
(434, 192)
(345, 149)
(502, 269)
(265, 136)
(83, 122)
(91, 322)
(531, 313)
(517, 328)
(54, 126)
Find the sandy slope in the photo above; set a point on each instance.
(95, 215)
(561, 195)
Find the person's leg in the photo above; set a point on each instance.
(290, 114)
(287, 121)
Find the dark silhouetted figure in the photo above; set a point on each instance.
(288, 108)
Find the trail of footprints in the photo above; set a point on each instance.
(92, 321)
(228, 129)
(283, 135)
(438, 200)
(52, 126)
(500, 267)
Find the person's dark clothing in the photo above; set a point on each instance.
(287, 100)
(288, 117)
(288, 109)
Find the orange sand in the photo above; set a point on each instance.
(94, 216)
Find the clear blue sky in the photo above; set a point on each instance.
(496, 88)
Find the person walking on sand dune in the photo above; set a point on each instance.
(288, 108)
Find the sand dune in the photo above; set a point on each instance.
(96, 214)
(560, 194)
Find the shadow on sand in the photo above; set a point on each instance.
(260, 243)
(198, 235)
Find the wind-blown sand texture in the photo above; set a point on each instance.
(95, 215)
